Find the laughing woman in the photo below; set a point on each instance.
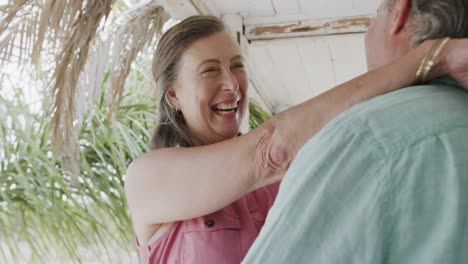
(202, 193)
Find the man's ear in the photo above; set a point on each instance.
(400, 15)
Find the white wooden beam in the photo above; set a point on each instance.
(181, 9)
(256, 89)
(308, 28)
(206, 7)
(235, 24)
(286, 7)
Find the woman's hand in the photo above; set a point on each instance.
(454, 60)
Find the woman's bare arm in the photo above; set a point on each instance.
(181, 183)
(174, 184)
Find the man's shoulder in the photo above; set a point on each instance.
(439, 101)
(402, 117)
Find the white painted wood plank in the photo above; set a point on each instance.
(207, 7)
(252, 21)
(321, 5)
(179, 9)
(349, 56)
(292, 76)
(366, 6)
(257, 12)
(247, 8)
(318, 66)
(290, 71)
(259, 8)
(308, 28)
(260, 68)
(327, 9)
(286, 7)
(230, 7)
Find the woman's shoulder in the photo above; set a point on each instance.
(140, 166)
(148, 169)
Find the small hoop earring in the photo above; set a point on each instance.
(169, 103)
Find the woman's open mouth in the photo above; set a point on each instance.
(225, 108)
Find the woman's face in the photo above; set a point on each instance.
(211, 88)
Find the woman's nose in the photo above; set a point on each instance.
(230, 82)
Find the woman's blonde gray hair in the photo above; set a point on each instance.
(172, 130)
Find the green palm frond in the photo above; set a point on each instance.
(73, 33)
(42, 207)
(257, 114)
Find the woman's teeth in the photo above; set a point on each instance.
(225, 108)
(225, 112)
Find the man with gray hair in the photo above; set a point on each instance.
(386, 181)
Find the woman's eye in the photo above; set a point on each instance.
(238, 67)
(210, 72)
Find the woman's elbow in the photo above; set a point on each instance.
(273, 155)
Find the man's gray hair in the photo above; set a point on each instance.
(432, 19)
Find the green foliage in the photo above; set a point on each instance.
(49, 210)
(257, 114)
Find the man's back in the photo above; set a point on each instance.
(386, 182)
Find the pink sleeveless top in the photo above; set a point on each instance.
(224, 236)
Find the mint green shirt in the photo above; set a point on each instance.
(385, 182)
